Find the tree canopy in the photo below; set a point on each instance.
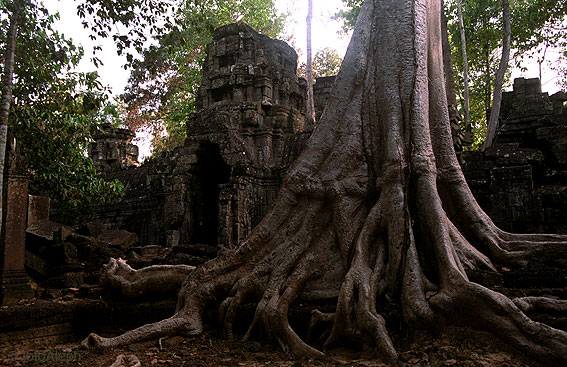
(326, 62)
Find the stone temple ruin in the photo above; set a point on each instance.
(250, 126)
(185, 205)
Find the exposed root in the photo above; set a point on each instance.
(541, 304)
(172, 325)
(356, 309)
(482, 308)
(318, 318)
(152, 280)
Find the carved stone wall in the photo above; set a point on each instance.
(321, 92)
(521, 180)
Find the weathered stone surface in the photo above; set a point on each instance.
(13, 279)
(321, 92)
(38, 209)
(93, 228)
(44, 231)
(59, 257)
(67, 318)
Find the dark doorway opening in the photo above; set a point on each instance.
(211, 172)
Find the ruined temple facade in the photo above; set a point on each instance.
(250, 125)
(521, 180)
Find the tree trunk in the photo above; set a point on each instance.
(309, 64)
(497, 93)
(376, 209)
(7, 93)
(465, 65)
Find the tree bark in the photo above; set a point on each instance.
(309, 63)
(7, 93)
(376, 209)
(155, 280)
(465, 65)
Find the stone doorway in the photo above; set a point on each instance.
(211, 172)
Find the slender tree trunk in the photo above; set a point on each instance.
(7, 93)
(375, 210)
(309, 64)
(497, 93)
(448, 65)
(465, 64)
(541, 60)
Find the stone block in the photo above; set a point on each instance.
(515, 173)
(119, 238)
(508, 155)
(46, 231)
(93, 228)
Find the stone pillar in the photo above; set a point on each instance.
(14, 282)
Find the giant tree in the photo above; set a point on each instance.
(375, 208)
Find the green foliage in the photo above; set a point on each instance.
(54, 114)
(129, 22)
(349, 14)
(163, 84)
(326, 62)
(561, 69)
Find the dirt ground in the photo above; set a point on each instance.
(455, 347)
